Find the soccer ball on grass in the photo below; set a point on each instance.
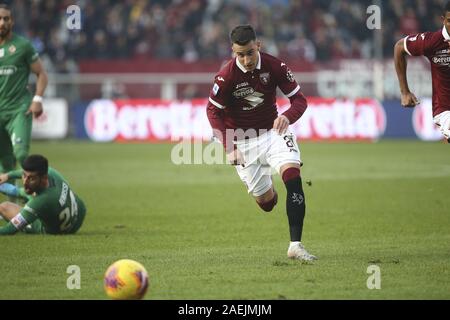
(126, 280)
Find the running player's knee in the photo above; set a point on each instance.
(290, 173)
(269, 205)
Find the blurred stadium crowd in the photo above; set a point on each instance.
(193, 30)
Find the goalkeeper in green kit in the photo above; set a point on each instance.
(17, 106)
(52, 207)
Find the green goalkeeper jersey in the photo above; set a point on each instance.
(57, 207)
(16, 56)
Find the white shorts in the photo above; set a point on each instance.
(263, 154)
(443, 121)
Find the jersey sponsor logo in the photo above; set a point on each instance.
(7, 70)
(264, 78)
(252, 97)
(443, 60)
(242, 84)
(63, 196)
(19, 221)
(243, 92)
(254, 100)
(220, 79)
(445, 51)
(215, 89)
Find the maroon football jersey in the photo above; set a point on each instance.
(436, 47)
(242, 99)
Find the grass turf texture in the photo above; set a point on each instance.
(200, 236)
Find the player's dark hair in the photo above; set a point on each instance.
(242, 34)
(446, 8)
(36, 163)
(5, 6)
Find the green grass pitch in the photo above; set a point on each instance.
(200, 236)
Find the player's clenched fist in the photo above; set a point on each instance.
(409, 100)
(281, 124)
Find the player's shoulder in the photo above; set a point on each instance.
(271, 61)
(226, 73)
(227, 68)
(55, 173)
(36, 205)
(268, 57)
(437, 37)
(432, 37)
(20, 40)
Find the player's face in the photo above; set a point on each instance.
(248, 54)
(6, 22)
(446, 20)
(32, 181)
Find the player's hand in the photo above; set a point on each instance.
(235, 158)
(3, 178)
(36, 109)
(281, 124)
(445, 128)
(409, 100)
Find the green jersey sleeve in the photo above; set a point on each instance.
(16, 174)
(31, 54)
(19, 222)
(9, 229)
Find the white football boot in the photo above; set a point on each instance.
(298, 251)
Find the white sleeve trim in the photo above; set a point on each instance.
(405, 46)
(218, 105)
(293, 91)
(30, 210)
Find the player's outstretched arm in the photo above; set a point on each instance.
(17, 216)
(13, 191)
(9, 189)
(408, 99)
(41, 83)
(8, 230)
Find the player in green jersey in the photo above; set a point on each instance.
(52, 206)
(17, 106)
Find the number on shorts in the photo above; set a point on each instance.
(289, 141)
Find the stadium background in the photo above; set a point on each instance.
(170, 50)
(142, 70)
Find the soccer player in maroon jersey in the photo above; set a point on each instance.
(436, 47)
(243, 114)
